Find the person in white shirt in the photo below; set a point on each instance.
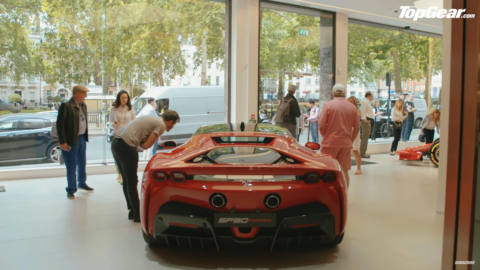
(120, 114)
(149, 110)
(313, 120)
(367, 122)
(377, 120)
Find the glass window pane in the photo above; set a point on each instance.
(296, 48)
(406, 57)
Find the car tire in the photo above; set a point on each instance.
(434, 154)
(54, 153)
(337, 240)
(418, 123)
(149, 239)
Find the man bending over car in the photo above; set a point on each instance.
(142, 131)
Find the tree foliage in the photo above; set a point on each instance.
(144, 39)
(372, 52)
(283, 51)
(19, 59)
(15, 98)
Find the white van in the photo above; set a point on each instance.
(196, 105)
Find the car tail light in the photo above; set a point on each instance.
(160, 176)
(329, 177)
(179, 177)
(311, 178)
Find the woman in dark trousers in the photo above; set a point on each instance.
(398, 115)
(429, 123)
(377, 119)
(142, 131)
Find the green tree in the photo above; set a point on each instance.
(15, 98)
(375, 51)
(283, 51)
(57, 99)
(20, 58)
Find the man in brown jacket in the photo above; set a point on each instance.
(72, 130)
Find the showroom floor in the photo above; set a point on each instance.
(392, 224)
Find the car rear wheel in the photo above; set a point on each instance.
(149, 239)
(418, 123)
(434, 154)
(54, 152)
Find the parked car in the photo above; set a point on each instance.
(5, 106)
(28, 136)
(250, 186)
(55, 113)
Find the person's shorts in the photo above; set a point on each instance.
(342, 155)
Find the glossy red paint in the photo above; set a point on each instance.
(242, 198)
(414, 153)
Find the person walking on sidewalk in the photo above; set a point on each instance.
(143, 131)
(367, 123)
(72, 130)
(408, 124)
(313, 120)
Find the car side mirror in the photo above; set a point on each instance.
(312, 145)
(169, 145)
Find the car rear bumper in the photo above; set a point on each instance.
(188, 226)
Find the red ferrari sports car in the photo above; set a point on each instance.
(432, 150)
(250, 186)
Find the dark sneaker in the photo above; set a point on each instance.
(86, 187)
(131, 214)
(70, 195)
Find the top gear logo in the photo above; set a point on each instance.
(433, 12)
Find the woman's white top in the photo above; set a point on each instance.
(397, 115)
(122, 115)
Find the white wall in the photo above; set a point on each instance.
(244, 67)
(445, 94)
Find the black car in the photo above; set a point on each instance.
(28, 136)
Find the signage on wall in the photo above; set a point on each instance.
(302, 32)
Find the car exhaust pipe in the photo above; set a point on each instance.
(218, 200)
(272, 200)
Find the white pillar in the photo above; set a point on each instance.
(341, 48)
(445, 94)
(244, 57)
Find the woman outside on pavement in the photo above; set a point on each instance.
(356, 142)
(121, 114)
(398, 116)
(143, 131)
(429, 123)
(377, 119)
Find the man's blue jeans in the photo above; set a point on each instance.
(155, 145)
(314, 131)
(76, 162)
(407, 129)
